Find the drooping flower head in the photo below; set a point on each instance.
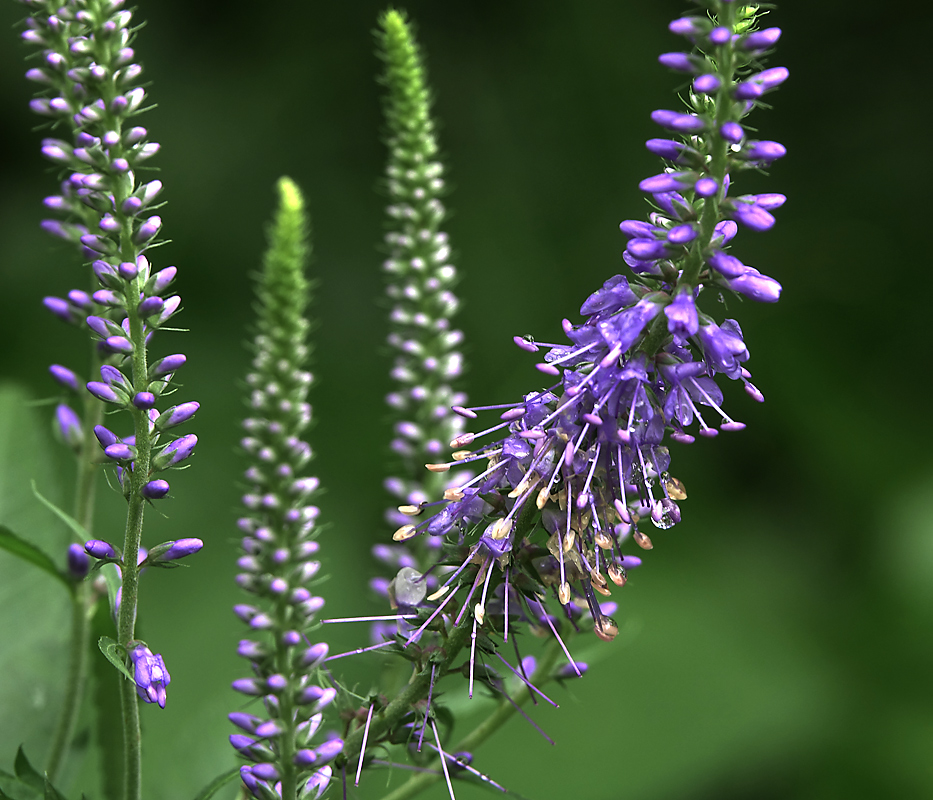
(577, 469)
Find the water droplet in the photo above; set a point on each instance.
(675, 488)
(410, 587)
(663, 523)
(606, 629)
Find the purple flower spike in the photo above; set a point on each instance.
(676, 121)
(68, 424)
(150, 675)
(99, 549)
(155, 490)
(78, 563)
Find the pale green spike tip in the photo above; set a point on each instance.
(290, 195)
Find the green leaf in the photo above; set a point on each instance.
(219, 782)
(27, 551)
(64, 516)
(51, 793)
(26, 772)
(12, 787)
(115, 653)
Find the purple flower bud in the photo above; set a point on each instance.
(679, 62)
(317, 783)
(155, 490)
(148, 230)
(575, 670)
(727, 265)
(102, 327)
(64, 376)
(732, 132)
(676, 121)
(723, 347)
(162, 280)
(144, 400)
(706, 186)
(706, 84)
(150, 306)
(720, 35)
(167, 365)
(760, 40)
(68, 424)
(753, 284)
(667, 148)
(634, 228)
(754, 216)
(181, 548)
(666, 182)
(119, 344)
(250, 686)
(99, 549)
(177, 415)
(764, 151)
(177, 451)
(647, 249)
(150, 675)
(748, 90)
(103, 392)
(329, 750)
(119, 452)
(314, 655)
(131, 206)
(105, 436)
(682, 234)
(78, 563)
(266, 772)
(99, 244)
(59, 308)
(688, 26)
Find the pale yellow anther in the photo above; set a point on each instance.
(603, 540)
(675, 488)
(563, 593)
(410, 511)
(479, 612)
(642, 540)
(501, 528)
(438, 594)
(602, 590)
(403, 533)
(453, 494)
(462, 439)
(461, 455)
(437, 467)
(542, 498)
(568, 540)
(617, 574)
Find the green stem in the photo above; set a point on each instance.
(137, 479)
(504, 711)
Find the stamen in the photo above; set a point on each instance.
(380, 618)
(527, 682)
(476, 621)
(428, 621)
(560, 641)
(359, 767)
(440, 750)
(360, 650)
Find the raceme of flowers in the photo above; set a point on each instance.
(279, 563)
(586, 459)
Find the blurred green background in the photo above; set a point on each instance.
(776, 644)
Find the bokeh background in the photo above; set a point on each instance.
(776, 644)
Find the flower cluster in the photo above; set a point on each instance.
(420, 281)
(278, 564)
(88, 75)
(585, 462)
